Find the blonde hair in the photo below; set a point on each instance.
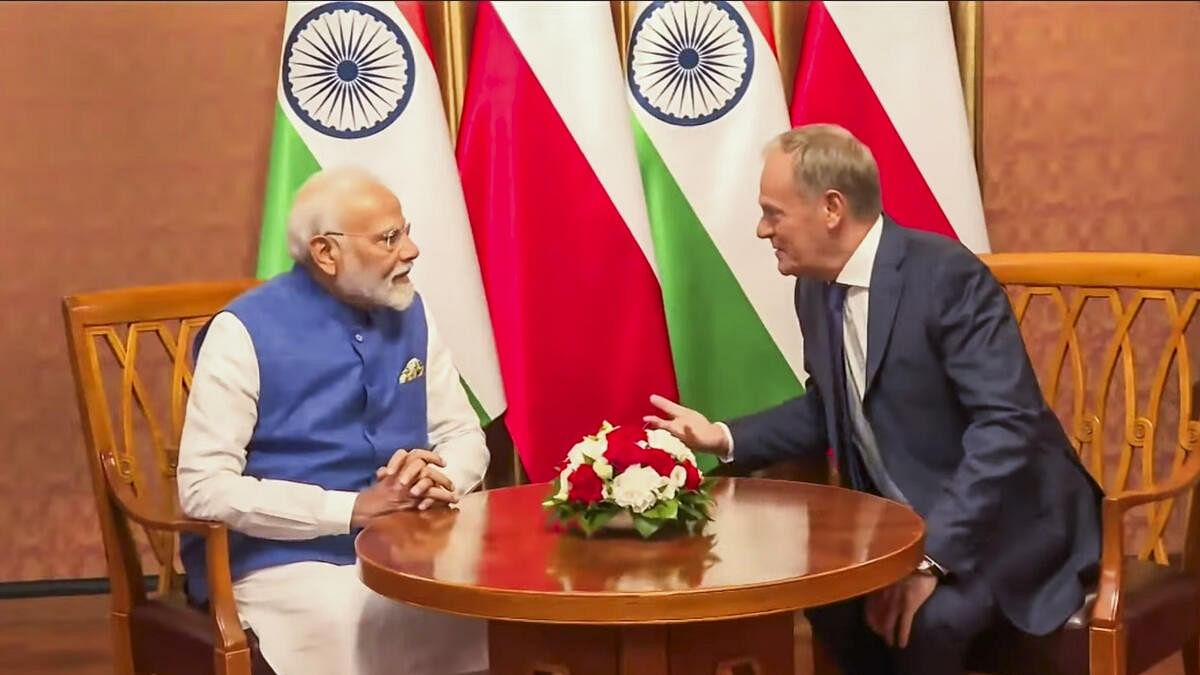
(828, 157)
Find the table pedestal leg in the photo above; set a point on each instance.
(755, 646)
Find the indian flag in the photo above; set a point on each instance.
(704, 86)
(357, 87)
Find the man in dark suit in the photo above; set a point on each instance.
(919, 380)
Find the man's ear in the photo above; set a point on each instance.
(324, 254)
(833, 207)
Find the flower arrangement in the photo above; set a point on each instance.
(647, 476)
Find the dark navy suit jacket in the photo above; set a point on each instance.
(961, 424)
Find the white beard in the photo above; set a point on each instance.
(393, 292)
(399, 295)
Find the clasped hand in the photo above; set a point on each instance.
(411, 479)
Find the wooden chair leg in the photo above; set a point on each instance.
(1191, 656)
(122, 639)
(1106, 651)
(232, 663)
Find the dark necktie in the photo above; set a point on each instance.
(842, 436)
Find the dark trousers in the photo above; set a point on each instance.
(942, 632)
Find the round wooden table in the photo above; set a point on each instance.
(722, 602)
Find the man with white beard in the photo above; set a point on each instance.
(322, 399)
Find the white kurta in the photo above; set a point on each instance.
(313, 617)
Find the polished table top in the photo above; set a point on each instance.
(772, 546)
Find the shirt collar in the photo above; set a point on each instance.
(857, 272)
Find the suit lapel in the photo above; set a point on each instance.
(819, 340)
(887, 285)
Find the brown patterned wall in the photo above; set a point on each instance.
(1091, 126)
(137, 137)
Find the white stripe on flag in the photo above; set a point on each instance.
(906, 50)
(599, 122)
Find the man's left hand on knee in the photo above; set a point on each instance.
(890, 611)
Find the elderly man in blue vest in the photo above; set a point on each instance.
(322, 399)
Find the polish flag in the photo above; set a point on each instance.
(550, 176)
(888, 72)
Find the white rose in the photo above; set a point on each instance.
(602, 468)
(637, 488)
(564, 484)
(663, 440)
(589, 448)
(667, 490)
(678, 477)
(575, 456)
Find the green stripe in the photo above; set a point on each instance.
(291, 165)
(726, 363)
(484, 418)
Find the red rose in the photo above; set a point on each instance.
(586, 486)
(693, 476)
(623, 451)
(658, 460)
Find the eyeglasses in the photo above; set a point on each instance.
(386, 239)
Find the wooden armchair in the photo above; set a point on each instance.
(131, 353)
(1109, 335)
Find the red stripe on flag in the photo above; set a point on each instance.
(576, 308)
(414, 11)
(831, 88)
(761, 12)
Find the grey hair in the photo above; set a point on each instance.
(318, 206)
(828, 157)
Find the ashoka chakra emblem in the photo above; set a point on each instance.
(347, 70)
(690, 62)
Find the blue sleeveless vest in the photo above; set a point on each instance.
(332, 407)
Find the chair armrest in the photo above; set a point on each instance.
(221, 604)
(1107, 611)
(1184, 479)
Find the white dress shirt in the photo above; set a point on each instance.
(221, 414)
(857, 275)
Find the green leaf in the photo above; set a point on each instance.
(646, 526)
(596, 516)
(600, 519)
(664, 509)
(585, 524)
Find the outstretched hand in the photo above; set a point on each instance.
(690, 427)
